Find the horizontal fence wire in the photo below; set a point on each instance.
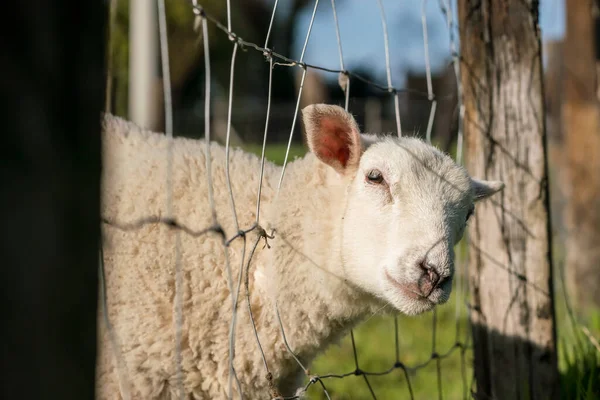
(201, 20)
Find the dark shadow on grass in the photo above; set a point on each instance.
(508, 367)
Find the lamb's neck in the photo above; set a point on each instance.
(306, 273)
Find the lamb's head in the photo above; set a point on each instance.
(407, 206)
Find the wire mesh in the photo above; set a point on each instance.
(202, 19)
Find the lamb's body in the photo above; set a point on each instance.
(140, 268)
(362, 222)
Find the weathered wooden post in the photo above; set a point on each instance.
(510, 274)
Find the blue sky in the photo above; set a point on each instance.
(362, 34)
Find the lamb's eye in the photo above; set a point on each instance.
(374, 176)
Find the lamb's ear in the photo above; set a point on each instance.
(333, 136)
(484, 189)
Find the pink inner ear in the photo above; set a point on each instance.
(335, 145)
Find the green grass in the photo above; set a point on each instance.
(580, 369)
(375, 346)
(276, 152)
(578, 355)
(579, 361)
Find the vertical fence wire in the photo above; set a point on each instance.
(431, 98)
(234, 292)
(168, 111)
(264, 142)
(388, 68)
(462, 272)
(295, 117)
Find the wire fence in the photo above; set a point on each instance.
(235, 283)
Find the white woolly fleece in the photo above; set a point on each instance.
(308, 269)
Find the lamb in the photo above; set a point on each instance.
(360, 222)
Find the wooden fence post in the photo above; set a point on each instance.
(510, 274)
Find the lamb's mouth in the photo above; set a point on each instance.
(408, 291)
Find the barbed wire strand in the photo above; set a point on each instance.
(289, 62)
(295, 118)
(388, 67)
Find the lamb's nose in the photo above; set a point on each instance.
(429, 280)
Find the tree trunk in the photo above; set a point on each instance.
(553, 82)
(52, 94)
(510, 275)
(582, 142)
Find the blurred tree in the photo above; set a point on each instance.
(553, 82)
(582, 142)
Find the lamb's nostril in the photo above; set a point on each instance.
(434, 277)
(430, 279)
